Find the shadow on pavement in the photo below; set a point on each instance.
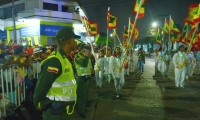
(171, 98)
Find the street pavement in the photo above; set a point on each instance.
(145, 96)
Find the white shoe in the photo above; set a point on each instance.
(117, 96)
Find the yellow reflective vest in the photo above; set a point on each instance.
(83, 71)
(64, 87)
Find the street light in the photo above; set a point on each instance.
(154, 24)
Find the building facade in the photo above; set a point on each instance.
(37, 21)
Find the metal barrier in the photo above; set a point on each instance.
(15, 81)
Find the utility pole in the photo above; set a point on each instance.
(14, 25)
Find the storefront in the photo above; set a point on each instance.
(38, 33)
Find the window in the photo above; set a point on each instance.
(65, 8)
(1, 14)
(7, 12)
(50, 6)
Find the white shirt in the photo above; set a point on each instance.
(179, 58)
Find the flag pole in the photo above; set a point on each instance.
(169, 32)
(114, 40)
(107, 32)
(86, 26)
(164, 44)
(107, 42)
(136, 17)
(117, 37)
(129, 21)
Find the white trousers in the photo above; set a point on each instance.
(198, 69)
(165, 69)
(131, 66)
(180, 77)
(126, 71)
(156, 63)
(99, 77)
(160, 65)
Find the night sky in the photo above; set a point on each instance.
(155, 10)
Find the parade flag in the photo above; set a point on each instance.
(131, 26)
(158, 37)
(166, 27)
(195, 41)
(193, 14)
(125, 34)
(141, 10)
(176, 37)
(191, 31)
(136, 33)
(111, 20)
(92, 27)
(198, 38)
(113, 33)
(173, 27)
(185, 33)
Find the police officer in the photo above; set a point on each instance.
(83, 68)
(55, 92)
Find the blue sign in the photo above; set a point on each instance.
(49, 30)
(30, 31)
(3, 34)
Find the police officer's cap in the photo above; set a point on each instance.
(65, 34)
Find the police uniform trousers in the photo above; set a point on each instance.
(62, 115)
(82, 87)
(180, 76)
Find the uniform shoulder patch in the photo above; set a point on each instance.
(52, 69)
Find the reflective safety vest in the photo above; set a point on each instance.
(83, 71)
(64, 87)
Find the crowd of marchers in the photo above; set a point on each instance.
(186, 63)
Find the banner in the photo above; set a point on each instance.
(3, 34)
(49, 30)
(29, 31)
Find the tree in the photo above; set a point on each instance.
(102, 38)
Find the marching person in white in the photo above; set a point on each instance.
(107, 66)
(198, 62)
(116, 67)
(100, 69)
(180, 62)
(160, 61)
(190, 64)
(156, 57)
(135, 59)
(166, 63)
(127, 60)
(131, 63)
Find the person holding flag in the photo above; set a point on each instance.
(116, 67)
(99, 68)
